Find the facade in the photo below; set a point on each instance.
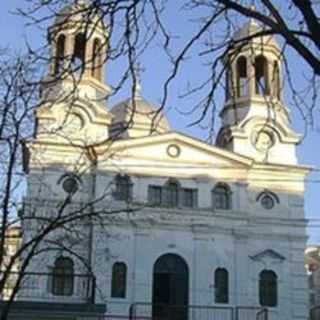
(183, 222)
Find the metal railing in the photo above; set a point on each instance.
(75, 288)
(148, 311)
(248, 313)
(262, 314)
(315, 313)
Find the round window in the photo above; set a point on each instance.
(267, 202)
(70, 185)
(173, 151)
(262, 140)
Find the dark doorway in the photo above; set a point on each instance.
(170, 288)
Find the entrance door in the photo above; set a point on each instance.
(170, 288)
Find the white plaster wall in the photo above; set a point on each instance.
(204, 252)
(203, 237)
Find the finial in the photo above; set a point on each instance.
(137, 76)
(252, 8)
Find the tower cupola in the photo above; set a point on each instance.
(73, 93)
(253, 67)
(79, 42)
(255, 122)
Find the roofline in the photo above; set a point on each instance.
(151, 139)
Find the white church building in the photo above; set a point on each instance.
(184, 229)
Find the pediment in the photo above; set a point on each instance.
(158, 147)
(268, 254)
(175, 155)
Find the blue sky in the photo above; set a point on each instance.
(14, 32)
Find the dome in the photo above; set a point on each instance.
(137, 119)
(250, 28)
(70, 11)
(77, 12)
(246, 30)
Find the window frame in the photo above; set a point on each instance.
(221, 286)
(62, 281)
(153, 199)
(60, 53)
(268, 288)
(193, 196)
(224, 198)
(123, 188)
(172, 195)
(261, 64)
(79, 52)
(242, 80)
(119, 274)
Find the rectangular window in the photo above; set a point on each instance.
(189, 198)
(154, 195)
(221, 285)
(119, 280)
(123, 188)
(170, 196)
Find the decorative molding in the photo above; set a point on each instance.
(173, 150)
(269, 254)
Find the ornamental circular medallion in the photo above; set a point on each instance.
(267, 202)
(72, 123)
(70, 185)
(262, 140)
(173, 151)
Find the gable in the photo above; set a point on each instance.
(174, 154)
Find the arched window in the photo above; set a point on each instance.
(242, 81)
(96, 59)
(261, 75)
(60, 53)
(221, 197)
(171, 194)
(268, 288)
(221, 286)
(62, 278)
(123, 188)
(276, 80)
(79, 52)
(119, 280)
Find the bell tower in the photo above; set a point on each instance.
(73, 93)
(255, 122)
(79, 41)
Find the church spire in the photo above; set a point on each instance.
(252, 8)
